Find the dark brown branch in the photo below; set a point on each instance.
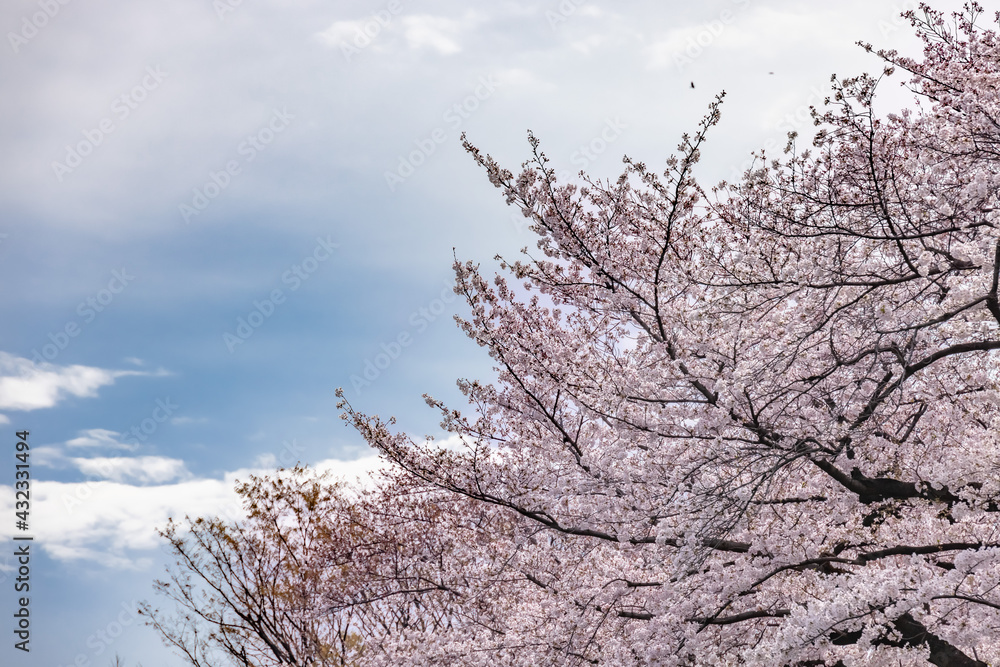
(637, 615)
(876, 489)
(739, 618)
(991, 300)
(959, 348)
(943, 654)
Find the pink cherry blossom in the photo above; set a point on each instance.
(757, 425)
(754, 425)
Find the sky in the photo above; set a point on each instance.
(214, 213)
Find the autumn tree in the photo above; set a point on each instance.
(321, 572)
(755, 425)
(245, 592)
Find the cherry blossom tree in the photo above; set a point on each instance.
(753, 425)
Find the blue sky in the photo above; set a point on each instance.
(215, 213)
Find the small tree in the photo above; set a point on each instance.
(319, 572)
(246, 591)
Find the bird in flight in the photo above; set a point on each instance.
(692, 84)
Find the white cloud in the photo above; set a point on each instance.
(423, 31)
(25, 385)
(4, 419)
(435, 32)
(344, 33)
(452, 442)
(137, 470)
(50, 457)
(108, 521)
(588, 44)
(99, 437)
(758, 31)
(769, 30)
